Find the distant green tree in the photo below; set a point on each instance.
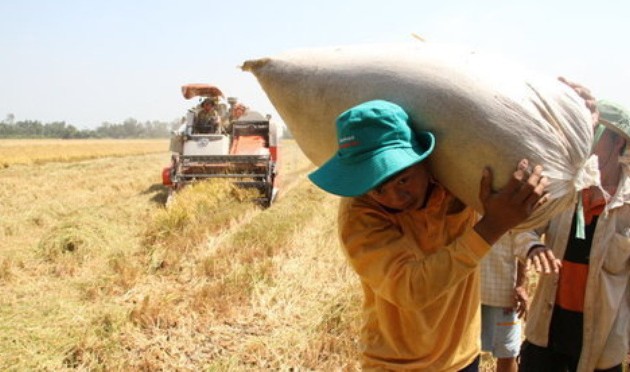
(10, 119)
(130, 128)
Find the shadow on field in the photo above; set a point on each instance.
(161, 193)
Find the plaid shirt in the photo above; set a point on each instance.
(498, 273)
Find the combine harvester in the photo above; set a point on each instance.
(244, 149)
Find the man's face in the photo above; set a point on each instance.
(405, 191)
(207, 106)
(608, 149)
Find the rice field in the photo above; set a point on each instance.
(27, 151)
(96, 274)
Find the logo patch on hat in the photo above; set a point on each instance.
(348, 141)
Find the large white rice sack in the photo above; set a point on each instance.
(482, 111)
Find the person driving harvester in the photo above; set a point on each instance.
(205, 118)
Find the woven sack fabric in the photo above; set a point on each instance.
(483, 110)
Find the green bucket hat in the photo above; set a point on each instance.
(375, 142)
(615, 117)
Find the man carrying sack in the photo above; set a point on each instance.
(415, 246)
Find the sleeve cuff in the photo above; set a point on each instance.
(475, 243)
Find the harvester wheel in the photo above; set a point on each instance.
(170, 197)
(172, 192)
(269, 188)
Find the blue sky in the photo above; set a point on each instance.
(88, 62)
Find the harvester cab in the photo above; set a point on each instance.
(243, 147)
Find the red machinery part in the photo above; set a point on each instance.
(273, 150)
(166, 176)
(200, 90)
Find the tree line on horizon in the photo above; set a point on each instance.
(130, 128)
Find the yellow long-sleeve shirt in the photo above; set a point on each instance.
(420, 277)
